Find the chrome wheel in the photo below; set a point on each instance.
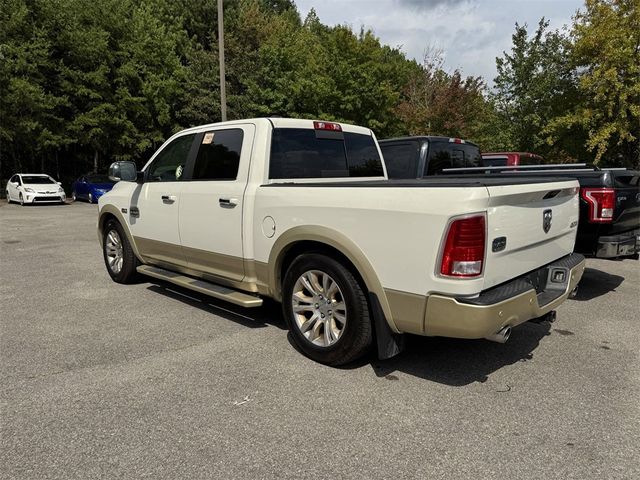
(73, 196)
(113, 249)
(319, 308)
(90, 198)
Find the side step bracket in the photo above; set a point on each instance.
(202, 286)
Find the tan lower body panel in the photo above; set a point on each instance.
(211, 266)
(160, 251)
(215, 263)
(407, 310)
(446, 317)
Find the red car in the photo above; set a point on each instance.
(505, 159)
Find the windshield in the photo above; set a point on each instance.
(37, 179)
(99, 179)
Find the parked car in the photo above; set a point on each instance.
(30, 188)
(504, 159)
(417, 157)
(91, 187)
(609, 225)
(302, 211)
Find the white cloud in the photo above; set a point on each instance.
(472, 33)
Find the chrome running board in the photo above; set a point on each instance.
(202, 286)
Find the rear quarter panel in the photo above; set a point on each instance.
(398, 230)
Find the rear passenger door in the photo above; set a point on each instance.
(212, 201)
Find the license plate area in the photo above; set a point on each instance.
(549, 282)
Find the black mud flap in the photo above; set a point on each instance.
(389, 343)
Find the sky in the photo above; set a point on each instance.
(471, 33)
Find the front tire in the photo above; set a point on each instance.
(21, 200)
(9, 201)
(326, 310)
(118, 254)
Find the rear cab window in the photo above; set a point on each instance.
(401, 159)
(311, 153)
(445, 154)
(494, 161)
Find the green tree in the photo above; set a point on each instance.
(606, 57)
(30, 126)
(439, 103)
(535, 84)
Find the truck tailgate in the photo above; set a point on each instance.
(627, 210)
(529, 226)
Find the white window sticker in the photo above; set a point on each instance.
(208, 138)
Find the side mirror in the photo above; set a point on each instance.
(123, 171)
(59, 183)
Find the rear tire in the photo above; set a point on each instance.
(90, 197)
(330, 328)
(74, 197)
(118, 254)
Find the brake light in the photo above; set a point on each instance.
(601, 203)
(456, 140)
(334, 127)
(463, 253)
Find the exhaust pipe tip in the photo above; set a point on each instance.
(501, 336)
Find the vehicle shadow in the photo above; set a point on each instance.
(448, 361)
(269, 313)
(595, 283)
(457, 362)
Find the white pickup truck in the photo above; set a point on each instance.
(301, 211)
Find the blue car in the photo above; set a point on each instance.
(91, 187)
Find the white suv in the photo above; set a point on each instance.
(34, 188)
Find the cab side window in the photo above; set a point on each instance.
(219, 155)
(169, 164)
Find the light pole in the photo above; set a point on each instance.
(223, 93)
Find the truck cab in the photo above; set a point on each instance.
(422, 156)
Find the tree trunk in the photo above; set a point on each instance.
(95, 161)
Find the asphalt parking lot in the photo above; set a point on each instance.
(101, 380)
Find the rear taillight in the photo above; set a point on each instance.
(463, 253)
(334, 127)
(601, 203)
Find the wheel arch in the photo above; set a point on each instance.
(317, 239)
(109, 212)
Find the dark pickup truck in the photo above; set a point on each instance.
(609, 198)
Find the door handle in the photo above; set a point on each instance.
(228, 202)
(168, 198)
